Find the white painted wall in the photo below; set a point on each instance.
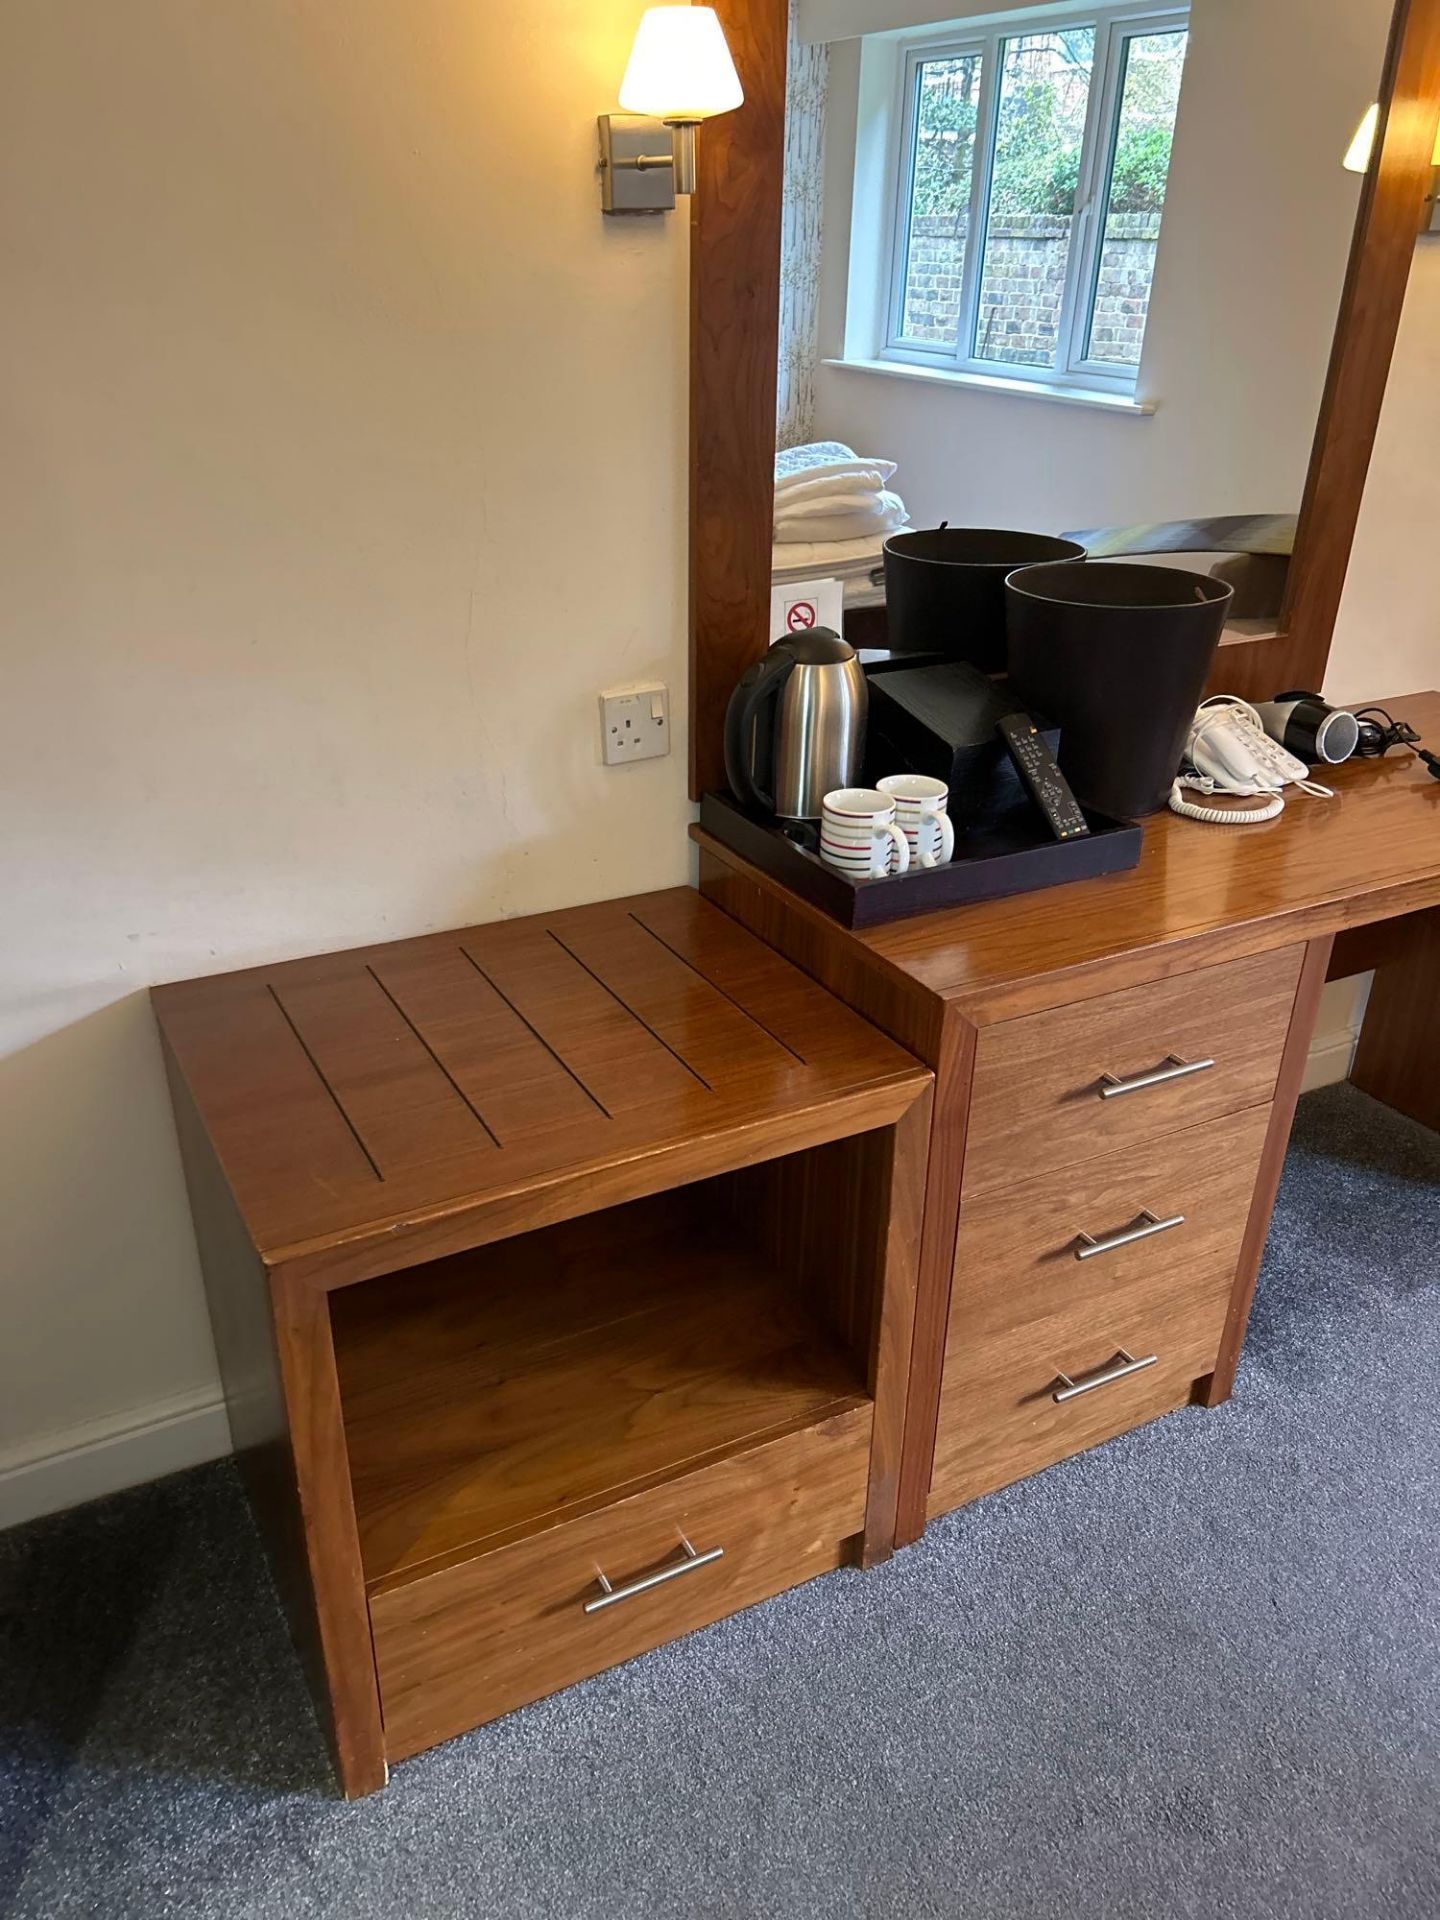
(1252, 255)
(344, 462)
(1387, 638)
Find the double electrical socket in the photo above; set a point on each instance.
(634, 724)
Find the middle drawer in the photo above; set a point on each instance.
(1021, 1254)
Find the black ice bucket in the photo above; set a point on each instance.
(945, 588)
(1118, 655)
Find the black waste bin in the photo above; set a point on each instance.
(1117, 654)
(945, 588)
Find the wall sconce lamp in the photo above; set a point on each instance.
(680, 73)
(1357, 160)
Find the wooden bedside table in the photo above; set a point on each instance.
(563, 1278)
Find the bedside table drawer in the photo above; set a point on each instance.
(465, 1645)
(1115, 1362)
(1058, 1087)
(1172, 1209)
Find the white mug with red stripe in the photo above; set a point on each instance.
(921, 814)
(858, 834)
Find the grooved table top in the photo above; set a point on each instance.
(355, 1094)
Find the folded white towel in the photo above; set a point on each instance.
(792, 459)
(834, 474)
(811, 492)
(823, 496)
(826, 559)
(845, 520)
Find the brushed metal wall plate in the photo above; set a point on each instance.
(626, 186)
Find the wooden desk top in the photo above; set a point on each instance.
(1321, 865)
(603, 1052)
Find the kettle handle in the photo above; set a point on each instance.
(759, 683)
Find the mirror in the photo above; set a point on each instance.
(1070, 269)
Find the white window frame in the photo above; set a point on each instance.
(1114, 28)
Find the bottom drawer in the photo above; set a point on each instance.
(999, 1418)
(477, 1640)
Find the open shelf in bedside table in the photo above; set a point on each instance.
(501, 1392)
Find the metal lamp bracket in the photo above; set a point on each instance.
(637, 164)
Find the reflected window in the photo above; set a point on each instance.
(1032, 178)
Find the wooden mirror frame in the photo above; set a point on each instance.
(734, 337)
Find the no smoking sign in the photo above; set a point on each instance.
(802, 605)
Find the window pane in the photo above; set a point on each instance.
(1040, 125)
(947, 94)
(1135, 193)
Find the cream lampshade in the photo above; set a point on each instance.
(680, 71)
(1357, 154)
(680, 67)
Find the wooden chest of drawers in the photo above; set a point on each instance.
(1117, 1065)
(1112, 1153)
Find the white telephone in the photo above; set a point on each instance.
(1227, 750)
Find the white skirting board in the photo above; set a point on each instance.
(1337, 1028)
(61, 1470)
(58, 1470)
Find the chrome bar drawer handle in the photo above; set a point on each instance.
(608, 1595)
(1087, 1245)
(1119, 1368)
(1175, 1068)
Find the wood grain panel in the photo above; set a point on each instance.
(1037, 1102)
(954, 1078)
(466, 1645)
(998, 1418)
(734, 330)
(751, 972)
(844, 1222)
(511, 1078)
(242, 1318)
(402, 1105)
(899, 1205)
(581, 1017)
(1398, 1058)
(322, 1481)
(1015, 1257)
(674, 1001)
(255, 1047)
(885, 995)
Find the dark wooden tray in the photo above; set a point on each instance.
(1017, 857)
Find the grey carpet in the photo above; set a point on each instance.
(1195, 1672)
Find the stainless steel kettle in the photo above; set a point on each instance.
(795, 726)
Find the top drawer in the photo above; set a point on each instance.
(1039, 1097)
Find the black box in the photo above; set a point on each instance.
(940, 720)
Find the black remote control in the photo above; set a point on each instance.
(1035, 764)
